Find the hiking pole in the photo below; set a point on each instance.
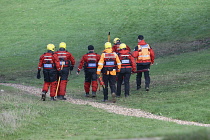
(59, 79)
(109, 37)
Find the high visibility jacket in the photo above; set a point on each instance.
(144, 53)
(89, 61)
(116, 48)
(127, 60)
(49, 60)
(66, 58)
(110, 63)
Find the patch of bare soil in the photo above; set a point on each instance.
(109, 107)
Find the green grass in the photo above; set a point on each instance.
(178, 31)
(23, 117)
(27, 27)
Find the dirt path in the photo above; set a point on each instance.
(109, 107)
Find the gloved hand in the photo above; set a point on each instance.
(38, 76)
(133, 70)
(71, 68)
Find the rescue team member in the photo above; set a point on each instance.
(108, 65)
(144, 56)
(67, 63)
(115, 47)
(90, 62)
(50, 63)
(128, 65)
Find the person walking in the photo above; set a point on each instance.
(128, 65)
(50, 63)
(89, 62)
(144, 56)
(108, 65)
(67, 63)
(115, 47)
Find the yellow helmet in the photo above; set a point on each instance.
(122, 46)
(115, 40)
(107, 45)
(51, 47)
(62, 45)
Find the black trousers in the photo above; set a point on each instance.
(90, 75)
(50, 75)
(124, 75)
(65, 73)
(111, 81)
(146, 75)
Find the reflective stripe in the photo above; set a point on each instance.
(140, 47)
(124, 55)
(91, 58)
(47, 56)
(98, 69)
(47, 59)
(118, 63)
(144, 56)
(91, 55)
(100, 64)
(61, 53)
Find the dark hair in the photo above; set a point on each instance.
(141, 37)
(90, 47)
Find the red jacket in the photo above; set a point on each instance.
(49, 60)
(116, 48)
(137, 52)
(67, 57)
(89, 60)
(127, 60)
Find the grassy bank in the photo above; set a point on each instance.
(178, 31)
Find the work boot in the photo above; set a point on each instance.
(58, 97)
(104, 100)
(123, 82)
(138, 88)
(93, 94)
(62, 97)
(87, 94)
(43, 96)
(52, 99)
(126, 95)
(113, 97)
(147, 88)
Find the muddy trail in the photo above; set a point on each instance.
(109, 107)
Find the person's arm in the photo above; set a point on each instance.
(100, 64)
(152, 55)
(80, 64)
(118, 63)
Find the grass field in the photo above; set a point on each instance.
(178, 31)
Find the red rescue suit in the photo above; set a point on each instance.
(128, 65)
(50, 64)
(116, 47)
(89, 62)
(66, 61)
